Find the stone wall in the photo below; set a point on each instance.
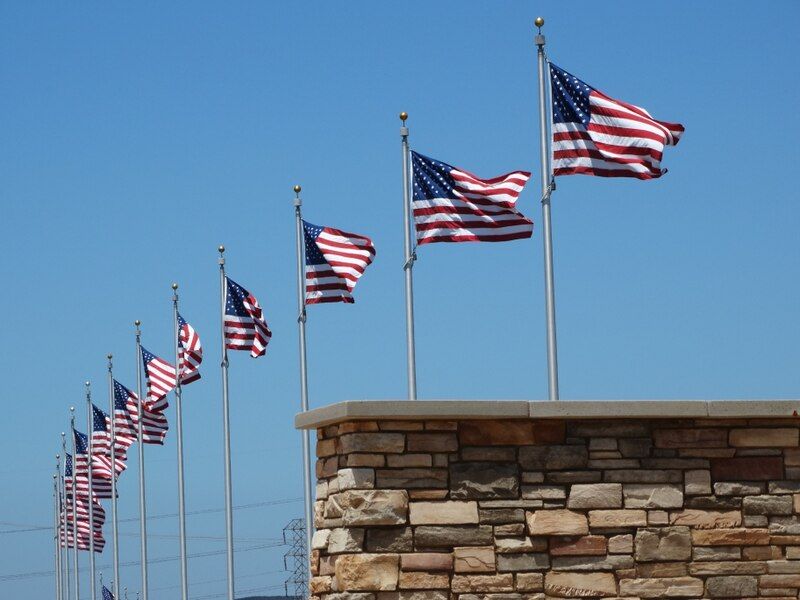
(527, 509)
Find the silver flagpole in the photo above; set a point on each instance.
(179, 431)
(114, 524)
(140, 438)
(301, 322)
(63, 484)
(89, 450)
(547, 188)
(59, 528)
(75, 573)
(408, 265)
(227, 428)
(57, 555)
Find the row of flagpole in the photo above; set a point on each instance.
(580, 151)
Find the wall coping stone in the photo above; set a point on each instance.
(352, 410)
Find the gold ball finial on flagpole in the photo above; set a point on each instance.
(539, 22)
(403, 116)
(174, 286)
(297, 189)
(221, 249)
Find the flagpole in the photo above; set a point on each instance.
(409, 256)
(547, 188)
(89, 450)
(74, 507)
(179, 431)
(301, 322)
(140, 440)
(227, 429)
(114, 526)
(65, 585)
(56, 536)
(60, 574)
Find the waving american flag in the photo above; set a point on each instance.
(453, 205)
(190, 352)
(335, 260)
(160, 377)
(244, 324)
(126, 419)
(593, 134)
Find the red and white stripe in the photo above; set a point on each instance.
(485, 211)
(160, 377)
(190, 354)
(347, 256)
(620, 140)
(248, 333)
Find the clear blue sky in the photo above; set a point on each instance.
(136, 139)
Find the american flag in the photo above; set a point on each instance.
(190, 352)
(160, 377)
(101, 472)
(126, 418)
(83, 540)
(82, 509)
(593, 134)
(107, 595)
(451, 205)
(335, 260)
(101, 442)
(244, 324)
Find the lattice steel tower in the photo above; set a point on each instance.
(294, 534)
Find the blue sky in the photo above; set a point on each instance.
(137, 139)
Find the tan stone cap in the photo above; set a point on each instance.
(520, 409)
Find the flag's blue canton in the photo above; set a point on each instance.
(81, 442)
(432, 178)
(313, 255)
(147, 356)
(570, 97)
(107, 595)
(234, 303)
(99, 419)
(120, 396)
(68, 465)
(181, 322)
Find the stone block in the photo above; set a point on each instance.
(509, 529)
(608, 428)
(779, 581)
(755, 437)
(707, 519)
(786, 487)
(319, 540)
(401, 426)
(690, 438)
(682, 587)
(644, 476)
(355, 479)
(553, 458)
(544, 492)
(463, 584)
(496, 433)
(474, 559)
(697, 482)
(488, 453)
(501, 516)
(592, 563)
(731, 587)
(320, 585)
(657, 517)
(530, 582)
(477, 480)
(635, 447)
(730, 537)
(343, 539)
(367, 572)
(784, 525)
(384, 443)
(420, 580)
(739, 488)
(427, 561)
(374, 507)
(768, 505)
(557, 522)
(520, 544)
(606, 444)
(432, 442)
(663, 543)
(538, 561)
(620, 544)
(431, 536)
(588, 545)
(364, 460)
(449, 512)
(573, 476)
(356, 426)
(326, 447)
(427, 494)
(738, 567)
(706, 553)
(747, 468)
(411, 478)
(615, 519)
(580, 585)
(596, 495)
(391, 539)
(642, 495)
(409, 460)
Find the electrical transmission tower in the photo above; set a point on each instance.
(296, 559)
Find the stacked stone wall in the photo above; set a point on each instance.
(527, 509)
